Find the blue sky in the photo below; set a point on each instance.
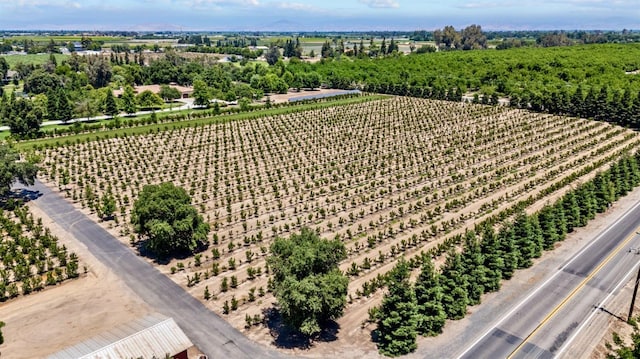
(321, 15)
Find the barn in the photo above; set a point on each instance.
(153, 336)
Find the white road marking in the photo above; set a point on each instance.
(595, 311)
(519, 305)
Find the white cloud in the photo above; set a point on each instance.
(294, 6)
(217, 3)
(392, 4)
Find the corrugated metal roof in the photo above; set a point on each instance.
(148, 337)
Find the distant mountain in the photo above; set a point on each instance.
(282, 25)
(156, 27)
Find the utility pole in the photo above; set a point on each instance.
(635, 291)
(635, 288)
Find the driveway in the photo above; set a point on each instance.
(210, 333)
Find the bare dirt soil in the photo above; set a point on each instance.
(43, 323)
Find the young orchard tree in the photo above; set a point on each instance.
(310, 288)
(164, 215)
(108, 204)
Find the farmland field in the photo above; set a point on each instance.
(31, 258)
(35, 59)
(389, 177)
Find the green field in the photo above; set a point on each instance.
(36, 59)
(64, 38)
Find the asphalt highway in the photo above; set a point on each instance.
(210, 333)
(544, 322)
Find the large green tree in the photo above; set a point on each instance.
(4, 67)
(310, 288)
(13, 169)
(398, 315)
(164, 215)
(273, 55)
(58, 105)
(169, 93)
(147, 99)
(128, 100)
(22, 116)
(201, 93)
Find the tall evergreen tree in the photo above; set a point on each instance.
(590, 104)
(523, 235)
(602, 103)
(128, 101)
(624, 108)
(454, 286)
(110, 106)
(493, 260)
(398, 314)
(475, 270)
(635, 112)
(509, 250)
(431, 314)
(585, 195)
(547, 220)
(571, 211)
(604, 191)
(537, 239)
(65, 111)
(561, 220)
(577, 102)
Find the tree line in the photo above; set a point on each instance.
(488, 257)
(591, 81)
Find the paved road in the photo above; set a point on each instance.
(210, 333)
(551, 315)
(187, 104)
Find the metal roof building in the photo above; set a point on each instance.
(153, 336)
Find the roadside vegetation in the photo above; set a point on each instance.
(623, 348)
